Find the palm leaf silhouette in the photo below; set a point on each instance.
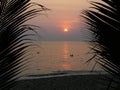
(103, 19)
(13, 38)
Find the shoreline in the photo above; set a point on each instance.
(70, 82)
(61, 74)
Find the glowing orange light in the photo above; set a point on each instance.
(66, 66)
(65, 30)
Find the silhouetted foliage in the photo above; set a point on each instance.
(13, 38)
(103, 19)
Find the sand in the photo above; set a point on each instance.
(72, 82)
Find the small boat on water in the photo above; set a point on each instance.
(71, 55)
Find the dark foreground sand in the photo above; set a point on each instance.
(74, 82)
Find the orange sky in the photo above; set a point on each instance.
(63, 14)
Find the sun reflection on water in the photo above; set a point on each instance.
(66, 66)
(65, 50)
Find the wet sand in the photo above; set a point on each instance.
(73, 82)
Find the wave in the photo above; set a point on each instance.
(62, 73)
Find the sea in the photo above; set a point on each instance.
(61, 57)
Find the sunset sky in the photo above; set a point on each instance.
(64, 14)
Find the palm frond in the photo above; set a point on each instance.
(104, 21)
(13, 38)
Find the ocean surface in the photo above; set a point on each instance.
(49, 57)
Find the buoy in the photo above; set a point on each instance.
(38, 52)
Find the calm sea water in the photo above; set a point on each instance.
(50, 57)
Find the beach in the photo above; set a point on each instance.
(55, 69)
(70, 82)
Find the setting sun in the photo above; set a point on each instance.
(65, 30)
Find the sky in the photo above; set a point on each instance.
(63, 14)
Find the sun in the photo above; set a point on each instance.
(65, 30)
